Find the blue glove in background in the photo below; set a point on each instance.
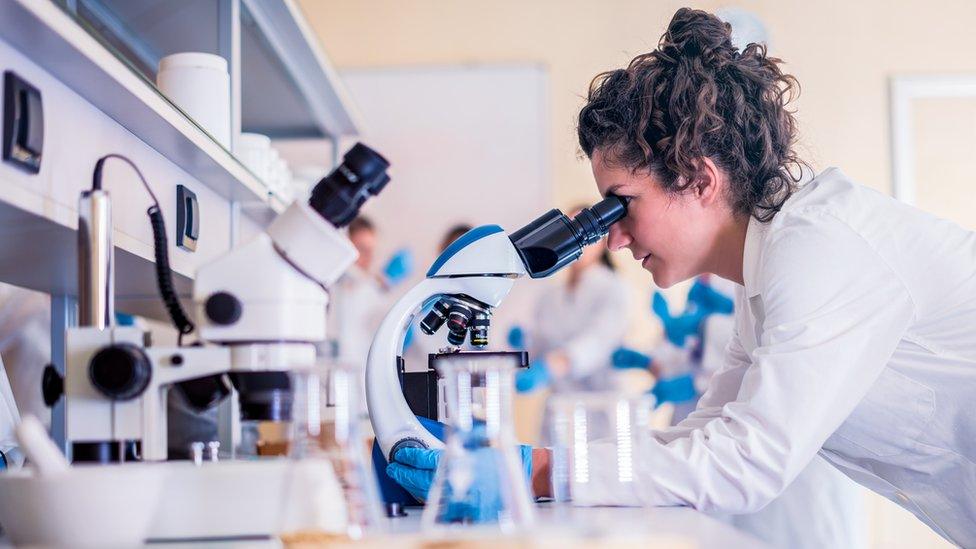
(408, 338)
(414, 469)
(516, 338)
(704, 297)
(676, 328)
(535, 377)
(398, 267)
(625, 357)
(676, 389)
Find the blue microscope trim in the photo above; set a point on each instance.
(462, 242)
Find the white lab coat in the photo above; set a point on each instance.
(9, 418)
(357, 305)
(25, 345)
(821, 507)
(587, 323)
(854, 339)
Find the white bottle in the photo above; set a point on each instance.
(199, 84)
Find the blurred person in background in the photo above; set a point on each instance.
(578, 321)
(358, 300)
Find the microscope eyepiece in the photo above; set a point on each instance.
(553, 240)
(594, 222)
(339, 195)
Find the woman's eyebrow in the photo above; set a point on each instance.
(612, 189)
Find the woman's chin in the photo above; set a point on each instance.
(660, 276)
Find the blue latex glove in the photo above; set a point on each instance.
(123, 319)
(535, 377)
(675, 389)
(676, 328)
(414, 469)
(516, 338)
(399, 267)
(704, 297)
(3, 461)
(624, 357)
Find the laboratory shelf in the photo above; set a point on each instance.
(53, 40)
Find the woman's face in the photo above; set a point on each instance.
(670, 235)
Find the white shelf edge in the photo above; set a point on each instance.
(54, 41)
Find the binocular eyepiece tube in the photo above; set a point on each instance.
(553, 240)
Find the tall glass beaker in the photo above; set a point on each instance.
(332, 489)
(480, 478)
(596, 440)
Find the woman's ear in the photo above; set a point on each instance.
(709, 182)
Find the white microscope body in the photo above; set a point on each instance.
(261, 307)
(459, 271)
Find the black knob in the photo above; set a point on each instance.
(223, 308)
(120, 372)
(52, 385)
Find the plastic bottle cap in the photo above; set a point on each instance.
(193, 59)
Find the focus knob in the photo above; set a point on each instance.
(223, 308)
(120, 372)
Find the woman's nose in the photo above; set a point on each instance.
(618, 238)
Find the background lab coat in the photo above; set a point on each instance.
(9, 418)
(587, 323)
(854, 338)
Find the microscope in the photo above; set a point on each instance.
(464, 284)
(261, 308)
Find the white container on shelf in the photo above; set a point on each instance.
(199, 84)
(254, 151)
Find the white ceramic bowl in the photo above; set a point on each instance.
(89, 506)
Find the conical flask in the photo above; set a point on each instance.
(331, 490)
(480, 479)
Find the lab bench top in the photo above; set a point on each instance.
(662, 527)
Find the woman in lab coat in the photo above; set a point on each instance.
(578, 321)
(854, 329)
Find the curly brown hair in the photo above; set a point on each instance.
(698, 96)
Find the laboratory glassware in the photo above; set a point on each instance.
(596, 440)
(480, 479)
(332, 489)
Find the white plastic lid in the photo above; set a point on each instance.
(193, 59)
(254, 140)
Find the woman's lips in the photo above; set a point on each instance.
(646, 261)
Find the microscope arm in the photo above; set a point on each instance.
(393, 422)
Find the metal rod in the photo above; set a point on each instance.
(96, 269)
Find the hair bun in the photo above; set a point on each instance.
(695, 34)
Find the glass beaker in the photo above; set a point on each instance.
(480, 479)
(596, 439)
(331, 490)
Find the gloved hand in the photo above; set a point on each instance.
(676, 389)
(705, 298)
(676, 328)
(399, 267)
(516, 338)
(480, 500)
(624, 357)
(535, 377)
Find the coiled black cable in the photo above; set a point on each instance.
(164, 273)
